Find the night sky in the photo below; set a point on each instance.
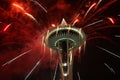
(23, 23)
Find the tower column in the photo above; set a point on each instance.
(66, 65)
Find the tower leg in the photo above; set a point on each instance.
(66, 65)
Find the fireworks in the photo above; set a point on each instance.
(17, 26)
(32, 70)
(117, 35)
(19, 7)
(111, 69)
(53, 25)
(111, 20)
(89, 9)
(16, 58)
(25, 12)
(109, 52)
(6, 27)
(78, 75)
(75, 22)
(37, 3)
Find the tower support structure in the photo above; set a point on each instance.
(64, 39)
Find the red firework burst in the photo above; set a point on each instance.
(24, 22)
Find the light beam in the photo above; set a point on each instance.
(31, 16)
(39, 5)
(94, 23)
(78, 75)
(55, 72)
(98, 3)
(111, 69)
(109, 52)
(111, 20)
(32, 70)
(89, 9)
(19, 7)
(117, 36)
(17, 57)
(6, 28)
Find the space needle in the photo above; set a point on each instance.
(64, 38)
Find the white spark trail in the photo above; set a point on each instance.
(118, 14)
(80, 49)
(55, 72)
(43, 38)
(32, 70)
(109, 52)
(43, 44)
(29, 15)
(85, 46)
(18, 6)
(98, 3)
(75, 22)
(32, 17)
(44, 48)
(7, 27)
(39, 5)
(17, 57)
(117, 36)
(78, 75)
(111, 69)
(94, 23)
(89, 9)
(75, 18)
(77, 15)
